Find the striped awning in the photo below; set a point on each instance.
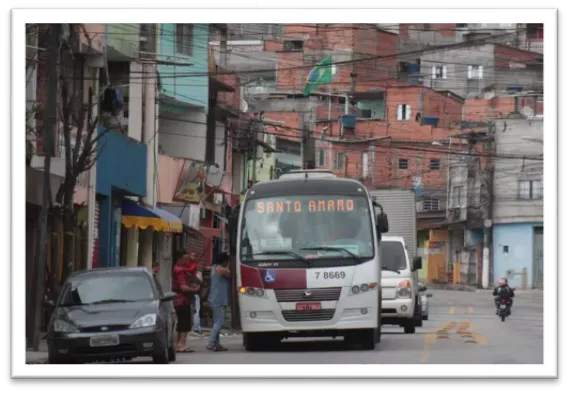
(138, 216)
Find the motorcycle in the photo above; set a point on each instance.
(503, 310)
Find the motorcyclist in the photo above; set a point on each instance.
(503, 291)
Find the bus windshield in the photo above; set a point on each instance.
(293, 227)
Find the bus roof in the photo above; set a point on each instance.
(307, 186)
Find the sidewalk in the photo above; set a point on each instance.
(453, 287)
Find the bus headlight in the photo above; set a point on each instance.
(250, 291)
(362, 288)
(403, 290)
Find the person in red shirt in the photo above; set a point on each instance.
(185, 286)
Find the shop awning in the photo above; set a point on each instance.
(142, 217)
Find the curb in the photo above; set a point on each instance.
(453, 287)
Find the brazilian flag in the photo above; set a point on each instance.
(321, 74)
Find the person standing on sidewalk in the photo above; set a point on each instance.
(219, 299)
(184, 274)
(197, 306)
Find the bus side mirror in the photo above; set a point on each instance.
(382, 223)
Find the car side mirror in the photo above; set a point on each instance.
(417, 263)
(49, 303)
(382, 223)
(168, 296)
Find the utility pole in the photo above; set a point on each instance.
(48, 142)
(255, 147)
(487, 263)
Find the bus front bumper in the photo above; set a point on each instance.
(269, 316)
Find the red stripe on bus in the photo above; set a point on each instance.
(251, 277)
(281, 278)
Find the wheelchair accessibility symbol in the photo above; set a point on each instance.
(270, 276)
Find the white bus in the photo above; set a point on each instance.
(308, 261)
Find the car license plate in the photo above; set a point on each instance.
(502, 306)
(308, 306)
(104, 341)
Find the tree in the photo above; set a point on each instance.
(81, 149)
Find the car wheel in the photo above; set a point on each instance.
(367, 339)
(172, 351)
(162, 356)
(55, 360)
(409, 326)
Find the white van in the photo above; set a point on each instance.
(400, 285)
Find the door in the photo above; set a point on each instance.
(538, 258)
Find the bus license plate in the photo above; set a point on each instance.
(104, 341)
(308, 306)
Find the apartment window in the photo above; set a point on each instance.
(293, 46)
(431, 205)
(439, 72)
(185, 39)
(321, 157)
(534, 31)
(403, 112)
(365, 164)
(530, 189)
(339, 160)
(435, 164)
(457, 192)
(403, 163)
(475, 72)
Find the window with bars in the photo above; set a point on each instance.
(185, 39)
(431, 205)
(403, 163)
(435, 164)
(339, 160)
(403, 112)
(530, 189)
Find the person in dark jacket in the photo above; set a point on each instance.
(503, 291)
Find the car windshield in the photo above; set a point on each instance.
(307, 226)
(392, 256)
(98, 289)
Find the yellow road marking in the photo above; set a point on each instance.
(451, 310)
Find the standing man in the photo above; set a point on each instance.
(219, 299)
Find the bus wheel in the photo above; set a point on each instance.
(259, 341)
(368, 338)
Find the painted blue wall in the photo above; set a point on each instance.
(121, 170)
(121, 165)
(519, 239)
(189, 89)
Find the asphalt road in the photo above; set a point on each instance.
(462, 329)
